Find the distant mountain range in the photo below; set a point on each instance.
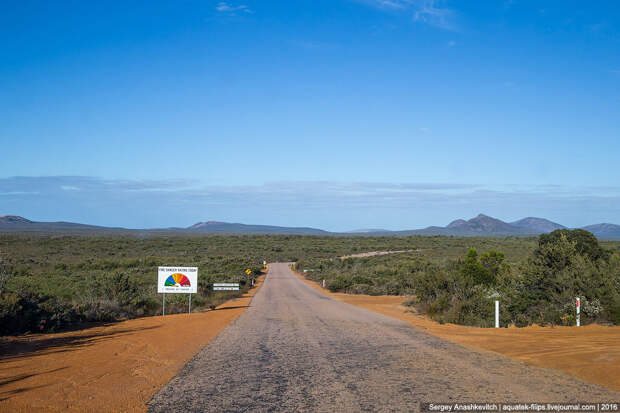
(484, 225)
(13, 223)
(367, 231)
(227, 228)
(480, 226)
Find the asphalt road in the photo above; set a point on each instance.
(296, 349)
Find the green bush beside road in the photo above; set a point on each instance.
(52, 282)
(538, 287)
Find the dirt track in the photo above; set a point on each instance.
(374, 254)
(297, 349)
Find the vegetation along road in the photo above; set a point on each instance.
(296, 349)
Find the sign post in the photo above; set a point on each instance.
(177, 280)
(578, 308)
(225, 286)
(496, 313)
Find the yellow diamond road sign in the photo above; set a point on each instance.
(248, 271)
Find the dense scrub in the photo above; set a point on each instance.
(539, 286)
(50, 282)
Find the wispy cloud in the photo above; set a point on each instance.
(69, 188)
(387, 4)
(430, 12)
(231, 10)
(14, 193)
(326, 204)
(392, 4)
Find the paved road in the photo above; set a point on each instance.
(296, 349)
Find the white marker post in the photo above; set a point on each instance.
(323, 283)
(578, 308)
(496, 313)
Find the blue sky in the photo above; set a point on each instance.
(337, 114)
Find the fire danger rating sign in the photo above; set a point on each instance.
(177, 280)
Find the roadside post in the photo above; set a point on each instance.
(323, 283)
(578, 308)
(177, 280)
(496, 313)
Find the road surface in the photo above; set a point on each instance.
(296, 349)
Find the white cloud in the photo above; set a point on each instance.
(230, 9)
(424, 11)
(328, 204)
(13, 193)
(431, 13)
(387, 4)
(391, 4)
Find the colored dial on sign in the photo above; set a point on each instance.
(177, 280)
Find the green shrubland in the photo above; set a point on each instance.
(539, 286)
(53, 282)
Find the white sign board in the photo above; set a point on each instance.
(226, 287)
(173, 280)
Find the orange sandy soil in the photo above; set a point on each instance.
(115, 367)
(591, 353)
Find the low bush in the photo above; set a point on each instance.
(28, 311)
(541, 288)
